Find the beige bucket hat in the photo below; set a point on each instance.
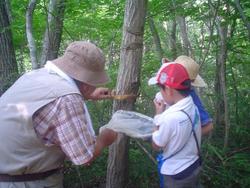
(193, 69)
(83, 61)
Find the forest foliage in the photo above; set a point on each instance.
(226, 155)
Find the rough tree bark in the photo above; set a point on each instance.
(8, 9)
(53, 33)
(29, 32)
(156, 37)
(127, 83)
(8, 64)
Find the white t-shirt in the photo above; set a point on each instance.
(175, 132)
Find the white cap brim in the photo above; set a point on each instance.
(152, 81)
(199, 82)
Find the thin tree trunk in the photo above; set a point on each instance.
(210, 25)
(8, 64)
(53, 33)
(236, 91)
(29, 33)
(222, 108)
(128, 82)
(111, 53)
(234, 75)
(172, 39)
(21, 58)
(186, 43)
(243, 16)
(156, 37)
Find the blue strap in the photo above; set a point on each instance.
(160, 161)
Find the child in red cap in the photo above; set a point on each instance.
(179, 129)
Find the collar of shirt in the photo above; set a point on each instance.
(54, 69)
(180, 105)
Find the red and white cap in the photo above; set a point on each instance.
(171, 75)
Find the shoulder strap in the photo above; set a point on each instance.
(195, 136)
(181, 147)
(178, 150)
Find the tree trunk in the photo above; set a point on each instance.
(156, 37)
(8, 9)
(186, 43)
(53, 33)
(8, 64)
(112, 48)
(211, 24)
(243, 16)
(128, 82)
(172, 40)
(236, 92)
(29, 32)
(222, 104)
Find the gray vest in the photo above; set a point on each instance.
(21, 151)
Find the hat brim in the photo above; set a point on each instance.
(152, 81)
(77, 72)
(199, 82)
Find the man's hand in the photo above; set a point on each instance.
(101, 93)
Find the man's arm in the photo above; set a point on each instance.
(104, 139)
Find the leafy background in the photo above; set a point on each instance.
(101, 22)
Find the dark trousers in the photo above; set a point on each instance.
(192, 181)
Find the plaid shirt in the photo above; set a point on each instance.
(63, 123)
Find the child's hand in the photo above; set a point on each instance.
(160, 106)
(156, 128)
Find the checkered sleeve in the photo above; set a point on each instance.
(74, 134)
(63, 123)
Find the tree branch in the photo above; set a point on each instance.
(146, 152)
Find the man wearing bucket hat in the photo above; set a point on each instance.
(196, 81)
(45, 120)
(179, 130)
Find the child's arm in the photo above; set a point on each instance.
(154, 145)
